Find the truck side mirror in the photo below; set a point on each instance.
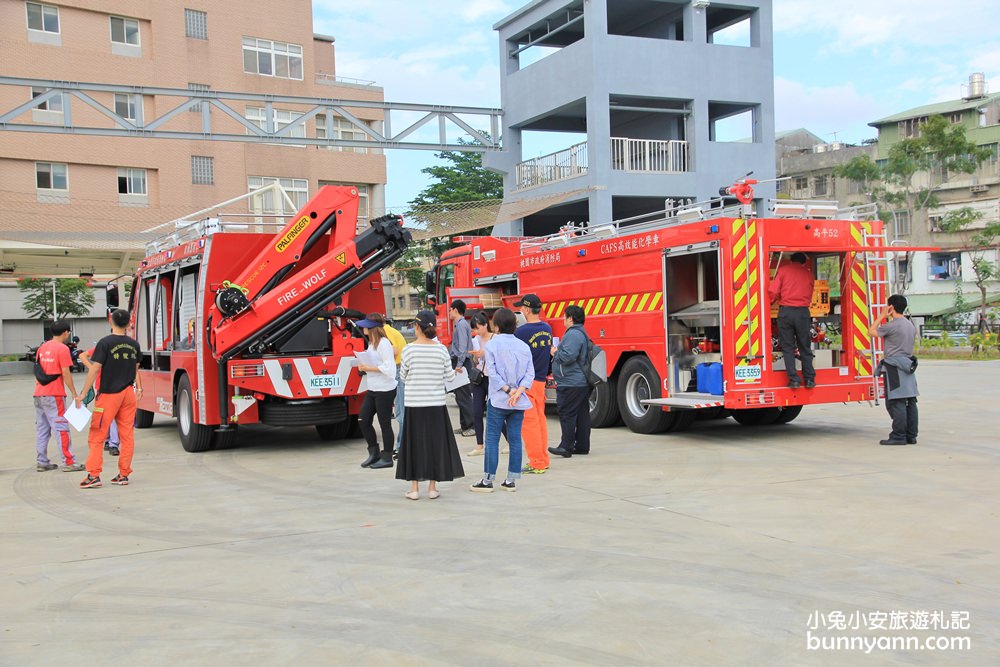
(430, 285)
(432, 301)
(111, 296)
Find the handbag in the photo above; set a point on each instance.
(476, 376)
(43, 377)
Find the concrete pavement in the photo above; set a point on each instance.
(712, 547)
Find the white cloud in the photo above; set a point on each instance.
(825, 110)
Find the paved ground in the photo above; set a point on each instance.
(710, 548)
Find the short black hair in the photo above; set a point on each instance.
(505, 321)
(119, 318)
(898, 303)
(458, 305)
(480, 320)
(799, 257)
(576, 313)
(59, 327)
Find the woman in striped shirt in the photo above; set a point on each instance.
(428, 451)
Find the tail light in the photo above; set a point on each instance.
(254, 370)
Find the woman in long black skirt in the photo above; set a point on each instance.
(428, 450)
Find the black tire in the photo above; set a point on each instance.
(194, 437)
(143, 418)
(788, 414)
(225, 439)
(604, 405)
(682, 420)
(756, 416)
(330, 432)
(354, 432)
(639, 380)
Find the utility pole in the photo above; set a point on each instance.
(54, 299)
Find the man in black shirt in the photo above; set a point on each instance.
(116, 359)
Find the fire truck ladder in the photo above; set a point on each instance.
(877, 286)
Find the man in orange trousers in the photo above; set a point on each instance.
(535, 430)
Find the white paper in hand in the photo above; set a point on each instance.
(461, 379)
(76, 416)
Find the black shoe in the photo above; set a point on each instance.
(381, 463)
(482, 486)
(114, 451)
(395, 455)
(892, 442)
(560, 451)
(45, 467)
(508, 486)
(107, 446)
(372, 458)
(810, 384)
(794, 384)
(911, 441)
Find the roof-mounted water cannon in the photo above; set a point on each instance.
(742, 189)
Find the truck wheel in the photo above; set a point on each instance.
(788, 414)
(354, 431)
(756, 416)
(682, 420)
(194, 437)
(604, 405)
(225, 439)
(638, 381)
(143, 418)
(329, 432)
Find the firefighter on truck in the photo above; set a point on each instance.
(241, 327)
(679, 304)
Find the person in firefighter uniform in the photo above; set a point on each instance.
(792, 290)
(899, 369)
(54, 361)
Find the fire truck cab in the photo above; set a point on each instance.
(252, 322)
(679, 303)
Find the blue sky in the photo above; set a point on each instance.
(838, 64)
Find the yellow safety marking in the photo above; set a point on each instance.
(599, 308)
(621, 304)
(743, 339)
(342, 258)
(630, 308)
(656, 301)
(643, 301)
(587, 309)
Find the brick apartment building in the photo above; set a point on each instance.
(74, 203)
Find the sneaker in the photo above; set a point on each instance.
(794, 384)
(528, 470)
(91, 482)
(107, 445)
(76, 467)
(469, 432)
(458, 431)
(810, 384)
(45, 467)
(478, 451)
(890, 441)
(508, 486)
(113, 451)
(482, 486)
(120, 480)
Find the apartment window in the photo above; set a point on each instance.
(903, 225)
(131, 181)
(800, 184)
(43, 18)
(200, 87)
(56, 103)
(821, 186)
(910, 128)
(124, 31)
(202, 170)
(270, 202)
(268, 58)
(282, 117)
(125, 106)
(51, 176)
(342, 129)
(195, 24)
(955, 117)
(364, 201)
(944, 266)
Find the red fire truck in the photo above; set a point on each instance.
(241, 325)
(669, 295)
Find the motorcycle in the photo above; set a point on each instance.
(31, 353)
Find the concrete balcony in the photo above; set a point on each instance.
(558, 166)
(649, 155)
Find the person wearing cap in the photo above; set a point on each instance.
(380, 394)
(54, 361)
(429, 451)
(792, 290)
(538, 337)
(461, 361)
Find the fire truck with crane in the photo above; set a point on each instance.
(240, 324)
(678, 302)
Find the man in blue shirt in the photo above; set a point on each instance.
(538, 337)
(461, 346)
(572, 390)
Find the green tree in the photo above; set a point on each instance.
(73, 297)
(979, 243)
(899, 184)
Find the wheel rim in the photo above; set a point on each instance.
(184, 412)
(593, 399)
(636, 391)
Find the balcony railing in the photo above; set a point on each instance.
(553, 167)
(649, 155)
(332, 80)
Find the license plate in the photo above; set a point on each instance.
(748, 372)
(324, 381)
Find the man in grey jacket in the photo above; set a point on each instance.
(461, 346)
(898, 368)
(572, 391)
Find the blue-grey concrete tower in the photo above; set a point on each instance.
(675, 97)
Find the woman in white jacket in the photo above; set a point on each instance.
(379, 397)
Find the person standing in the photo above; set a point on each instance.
(50, 400)
(510, 372)
(898, 368)
(481, 327)
(116, 358)
(792, 290)
(398, 343)
(461, 345)
(113, 443)
(429, 451)
(538, 337)
(379, 396)
(572, 391)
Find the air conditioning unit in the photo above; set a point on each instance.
(976, 189)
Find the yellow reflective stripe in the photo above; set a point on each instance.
(587, 309)
(630, 308)
(620, 304)
(600, 305)
(642, 302)
(656, 301)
